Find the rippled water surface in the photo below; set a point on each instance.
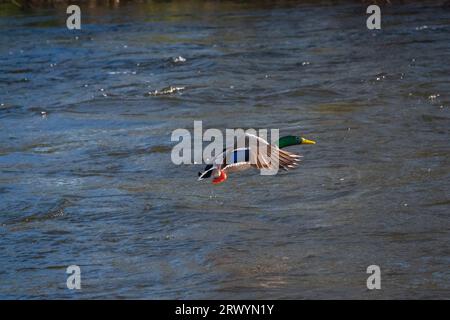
(86, 175)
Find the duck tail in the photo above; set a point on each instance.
(207, 173)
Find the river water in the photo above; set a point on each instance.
(86, 176)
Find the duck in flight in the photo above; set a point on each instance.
(240, 159)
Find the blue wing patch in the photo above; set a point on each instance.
(242, 155)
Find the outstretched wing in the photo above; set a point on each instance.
(263, 155)
(237, 160)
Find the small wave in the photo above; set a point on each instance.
(178, 59)
(166, 91)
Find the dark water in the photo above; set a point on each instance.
(86, 176)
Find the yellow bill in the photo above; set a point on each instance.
(306, 141)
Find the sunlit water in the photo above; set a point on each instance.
(87, 179)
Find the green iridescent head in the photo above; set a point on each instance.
(293, 140)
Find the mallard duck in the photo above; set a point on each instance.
(239, 159)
